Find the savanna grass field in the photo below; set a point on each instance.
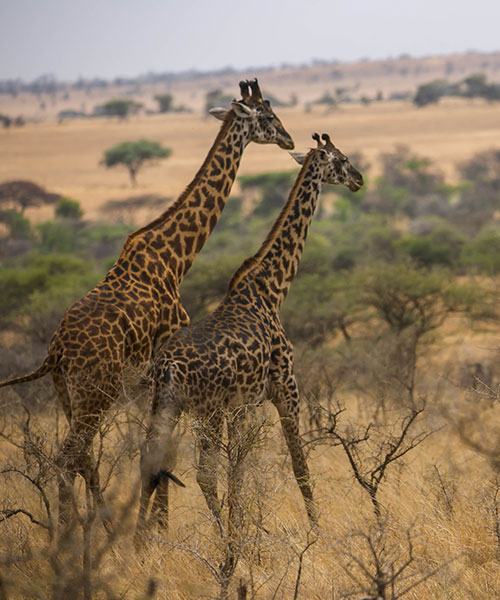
(394, 320)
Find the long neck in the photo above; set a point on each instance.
(178, 235)
(275, 264)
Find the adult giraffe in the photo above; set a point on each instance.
(239, 354)
(109, 335)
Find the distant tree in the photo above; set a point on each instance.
(133, 155)
(483, 167)
(165, 102)
(479, 198)
(429, 93)
(475, 86)
(6, 121)
(404, 169)
(25, 194)
(120, 108)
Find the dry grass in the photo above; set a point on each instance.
(450, 518)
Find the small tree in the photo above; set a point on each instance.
(68, 209)
(134, 154)
(25, 194)
(165, 102)
(429, 93)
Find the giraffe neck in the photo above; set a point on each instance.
(176, 237)
(275, 264)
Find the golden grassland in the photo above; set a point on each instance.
(65, 158)
(442, 492)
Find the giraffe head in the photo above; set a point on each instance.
(334, 165)
(256, 114)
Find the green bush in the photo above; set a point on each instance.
(483, 252)
(68, 209)
(319, 306)
(442, 246)
(37, 275)
(274, 189)
(207, 282)
(57, 237)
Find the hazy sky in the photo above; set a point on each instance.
(108, 38)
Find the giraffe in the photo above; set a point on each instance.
(239, 354)
(106, 338)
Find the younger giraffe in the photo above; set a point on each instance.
(107, 337)
(240, 355)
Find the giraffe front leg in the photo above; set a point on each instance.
(209, 440)
(287, 403)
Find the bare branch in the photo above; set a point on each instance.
(11, 512)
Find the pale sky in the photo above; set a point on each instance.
(110, 38)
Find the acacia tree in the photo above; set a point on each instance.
(23, 194)
(134, 154)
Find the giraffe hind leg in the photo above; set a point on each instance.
(290, 427)
(75, 458)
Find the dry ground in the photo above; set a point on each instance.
(65, 158)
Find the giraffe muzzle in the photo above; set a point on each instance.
(285, 141)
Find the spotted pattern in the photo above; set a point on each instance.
(107, 338)
(240, 354)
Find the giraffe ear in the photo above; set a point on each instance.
(242, 110)
(298, 156)
(219, 113)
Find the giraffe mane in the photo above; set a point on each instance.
(187, 191)
(254, 260)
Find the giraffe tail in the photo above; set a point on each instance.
(47, 366)
(163, 474)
